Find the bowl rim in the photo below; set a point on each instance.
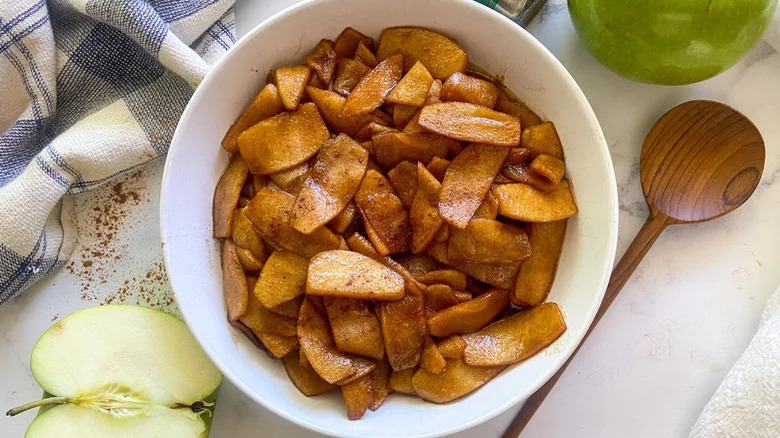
(603, 150)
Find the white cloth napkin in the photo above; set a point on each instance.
(88, 89)
(747, 403)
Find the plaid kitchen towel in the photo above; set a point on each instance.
(88, 90)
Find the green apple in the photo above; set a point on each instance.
(670, 41)
(122, 372)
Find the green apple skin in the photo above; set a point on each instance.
(670, 42)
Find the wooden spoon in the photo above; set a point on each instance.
(701, 160)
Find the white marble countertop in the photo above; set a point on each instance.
(649, 368)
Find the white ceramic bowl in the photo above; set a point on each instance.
(195, 162)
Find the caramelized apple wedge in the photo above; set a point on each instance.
(469, 316)
(348, 74)
(383, 213)
(456, 380)
(392, 148)
(538, 271)
(226, 195)
(331, 184)
(302, 132)
(282, 279)
(323, 61)
(317, 343)
(461, 87)
(331, 104)
(270, 213)
(234, 282)
(352, 275)
(543, 139)
(527, 117)
(263, 321)
(448, 276)
(370, 92)
(403, 178)
(355, 327)
(488, 241)
(432, 360)
(413, 87)
(467, 182)
(424, 216)
(347, 41)
(439, 54)
(516, 338)
(500, 275)
(452, 347)
(266, 104)
(357, 397)
(403, 329)
(380, 378)
(291, 81)
(470, 122)
(401, 381)
(526, 203)
(305, 378)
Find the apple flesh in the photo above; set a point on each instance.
(122, 371)
(670, 41)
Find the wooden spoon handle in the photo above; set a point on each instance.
(650, 231)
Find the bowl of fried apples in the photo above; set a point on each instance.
(388, 218)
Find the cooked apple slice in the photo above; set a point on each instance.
(488, 241)
(289, 309)
(469, 316)
(317, 343)
(270, 212)
(264, 322)
(291, 82)
(248, 260)
(543, 139)
(401, 381)
(282, 279)
(470, 122)
(467, 182)
(516, 338)
(348, 74)
(522, 173)
(358, 242)
(433, 97)
(305, 378)
(451, 277)
(121, 371)
(323, 61)
(357, 397)
(331, 184)
(549, 167)
(451, 347)
(461, 87)
(496, 274)
(526, 203)
(403, 177)
(245, 236)
(457, 380)
(413, 88)
(331, 104)
(352, 275)
(438, 167)
(266, 104)
(402, 114)
(432, 361)
(439, 296)
(226, 195)
(370, 92)
(527, 117)
(383, 214)
(278, 346)
(403, 329)
(369, 130)
(302, 132)
(234, 283)
(537, 272)
(355, 327)
(379, 384)
(343, 220)
(287, 179)
(424, 216)
(488, 209)
(394, 147)
(347, 41)
(439, 54)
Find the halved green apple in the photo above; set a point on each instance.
(124, 372)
